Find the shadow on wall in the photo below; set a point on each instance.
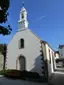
(41, 67)
(37, 65)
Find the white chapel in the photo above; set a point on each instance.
(26, 51)
(24, 48)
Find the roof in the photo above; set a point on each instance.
(61, 46)
(42, 41)
(34, 34)
(47, 44)
(57, 52)
(23, 9)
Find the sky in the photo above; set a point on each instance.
(45, 17)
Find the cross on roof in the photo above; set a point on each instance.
(23, 2)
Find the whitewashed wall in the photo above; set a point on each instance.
(61, 52)
(50, 65)
(31, 51)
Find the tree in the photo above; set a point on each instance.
(3, 50)
(4, 5)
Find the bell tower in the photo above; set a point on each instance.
(23, 23)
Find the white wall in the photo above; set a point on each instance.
(50, 65)
(61, 52)
(31, 51)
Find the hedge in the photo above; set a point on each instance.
(17, 74)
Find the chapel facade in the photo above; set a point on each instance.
(26, 51)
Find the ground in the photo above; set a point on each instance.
(5, 81)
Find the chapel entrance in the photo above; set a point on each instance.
(22, 63)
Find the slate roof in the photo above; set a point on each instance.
(57, 52)
(61, 46)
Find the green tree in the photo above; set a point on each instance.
(4, 5)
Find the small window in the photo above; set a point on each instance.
(22, 16)
(21, 43)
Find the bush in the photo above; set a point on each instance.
(2, 72)
(17, 74)
(33, 75)
(13, 74)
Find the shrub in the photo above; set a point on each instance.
(2, 72)
(17, 74)
(33, 75)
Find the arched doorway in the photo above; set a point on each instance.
(22, 63)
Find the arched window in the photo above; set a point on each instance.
(21, 43)
(22, 16)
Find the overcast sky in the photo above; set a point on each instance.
(45, 17)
